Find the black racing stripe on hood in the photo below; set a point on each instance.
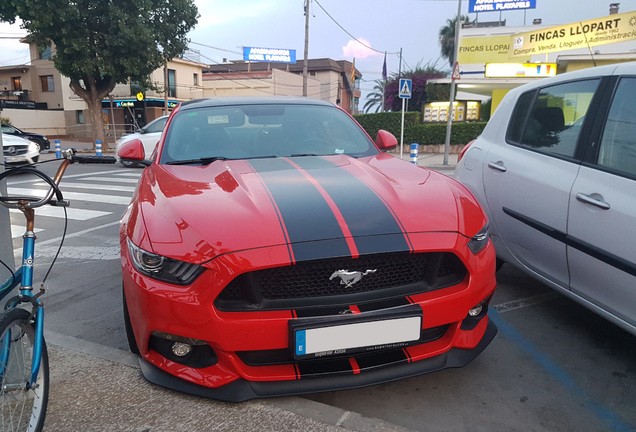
(370, 221)
(305, 213)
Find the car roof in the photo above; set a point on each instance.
(252, 100)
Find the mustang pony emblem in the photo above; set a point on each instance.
(348, 278)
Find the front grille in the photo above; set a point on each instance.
(15, 150)
(310, 284)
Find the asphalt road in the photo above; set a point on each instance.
(554, 366)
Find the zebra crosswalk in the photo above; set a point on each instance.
(84, 191)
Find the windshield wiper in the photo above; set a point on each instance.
(202, 161)
(306, 154)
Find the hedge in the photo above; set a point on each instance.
(435, 133)
(389, 121)
(417, 132)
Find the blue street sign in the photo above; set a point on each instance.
(405, 88)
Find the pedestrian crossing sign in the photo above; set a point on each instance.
(405, 88)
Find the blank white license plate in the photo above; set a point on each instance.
(339, 339)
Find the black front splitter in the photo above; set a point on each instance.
(242, 390)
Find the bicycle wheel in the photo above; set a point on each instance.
(22, 407)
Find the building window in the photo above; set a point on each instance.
(47, 83)
(80, 117)
(195, 79)
(45, 53)
(172, 83)
(17, 83)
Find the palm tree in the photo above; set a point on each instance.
(447, 38)
(375, 99)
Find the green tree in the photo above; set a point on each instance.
(419, 77)
(447, 38)
(99, 43)
(375, 99)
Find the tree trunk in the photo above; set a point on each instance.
(93, 93)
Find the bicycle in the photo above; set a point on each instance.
(24, 362)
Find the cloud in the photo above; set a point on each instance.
(223, 13)
(357, 50)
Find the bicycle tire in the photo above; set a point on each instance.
(22, 408)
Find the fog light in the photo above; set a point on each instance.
(181, 349)
(476, 310)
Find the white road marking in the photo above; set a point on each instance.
(132, 180)
(73, 213)
(93, 186)
(57, 240)
(99, 198)
(18, 231)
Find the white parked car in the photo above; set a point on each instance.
(555, 169)
(149, 136)
(18, 150)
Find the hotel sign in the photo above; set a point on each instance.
(273, 55)
(499, 5)
(583, 34)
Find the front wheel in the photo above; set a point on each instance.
(22, 406)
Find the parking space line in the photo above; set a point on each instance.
(528, 301)
(604, 414)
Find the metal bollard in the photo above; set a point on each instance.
(58, 149)
(414, 148)
(98, 147)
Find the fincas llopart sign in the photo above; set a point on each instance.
(582, 34)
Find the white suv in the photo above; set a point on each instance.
(555, 169)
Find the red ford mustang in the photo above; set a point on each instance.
(271, 248)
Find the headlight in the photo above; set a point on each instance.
(163, 268)
(479, 240)
(33, 147)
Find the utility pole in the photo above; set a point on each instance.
(165, 88)
(306, 61)
(452, 88)
(6, 245)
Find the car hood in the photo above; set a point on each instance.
(314, 207)
(12, 140)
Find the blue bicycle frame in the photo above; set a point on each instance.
(24, 277)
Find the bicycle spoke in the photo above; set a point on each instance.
(22, 408)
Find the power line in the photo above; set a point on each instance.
(350, 35)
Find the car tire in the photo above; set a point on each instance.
(130, 335)
(128, 164)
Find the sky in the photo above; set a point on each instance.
(336, 26)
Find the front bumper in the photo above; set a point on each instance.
(241, 389)
(250, 350)
(30, 158)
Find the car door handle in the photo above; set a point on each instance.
(587, 199)
(499, 166)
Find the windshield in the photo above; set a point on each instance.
(155, 125)
(253, 131)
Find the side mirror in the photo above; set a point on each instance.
(133, 150)
(385, 140)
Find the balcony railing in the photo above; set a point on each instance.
(19, 95)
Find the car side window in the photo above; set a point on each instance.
(618, 143)
(555, 118)
(157, 126)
